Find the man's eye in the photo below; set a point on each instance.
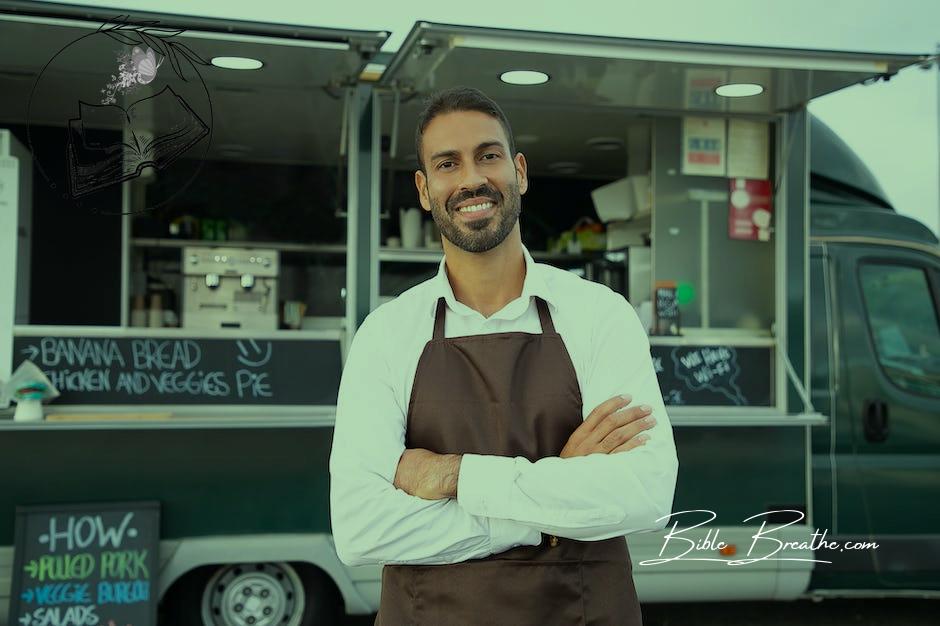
(442, 164)
(490, 154)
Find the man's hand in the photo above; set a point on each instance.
(608, 431)
(427, 474)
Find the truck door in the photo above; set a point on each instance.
(888, 407)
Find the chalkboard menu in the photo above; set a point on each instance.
(93, 564)
(715, 375)
(160, 370)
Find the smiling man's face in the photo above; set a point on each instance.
(466, 156)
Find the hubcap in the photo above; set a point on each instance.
(253, 594)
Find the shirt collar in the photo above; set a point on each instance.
(533, 285)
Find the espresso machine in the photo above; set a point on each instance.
(229, 288)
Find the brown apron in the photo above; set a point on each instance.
(508, 394)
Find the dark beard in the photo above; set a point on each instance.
(482, 235)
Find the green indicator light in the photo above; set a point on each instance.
(685, 293)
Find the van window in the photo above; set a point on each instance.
(902, 319)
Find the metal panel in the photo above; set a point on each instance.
(795, 216)
(350, 143)
(620, 72)
(189, 471)
(304, 69)
(364, 171)
(365, 40)
(374, 208)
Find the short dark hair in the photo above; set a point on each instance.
(459, 99)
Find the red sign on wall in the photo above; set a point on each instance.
(750, 211)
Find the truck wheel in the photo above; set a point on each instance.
(252, 594)
(263, 594)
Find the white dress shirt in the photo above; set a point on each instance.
(502, 502)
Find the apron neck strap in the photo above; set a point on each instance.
(439, 318)
(544, 317)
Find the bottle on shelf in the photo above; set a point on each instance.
(139, 312)
(155, 315)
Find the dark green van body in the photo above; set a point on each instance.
(876, 463)
(875, 371)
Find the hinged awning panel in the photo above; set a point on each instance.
(288, 111)
(614, 72)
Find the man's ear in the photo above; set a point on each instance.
(521, 172)
(421, 182)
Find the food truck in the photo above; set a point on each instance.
(192, 299)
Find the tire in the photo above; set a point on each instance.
(252, 594)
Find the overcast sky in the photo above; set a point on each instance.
(893, 126)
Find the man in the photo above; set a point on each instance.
(462, 435)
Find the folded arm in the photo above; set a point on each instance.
(372, 521)
(597, 496)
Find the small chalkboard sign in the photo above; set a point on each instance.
(714, 375)
(161, 370)
(86, 564)
(666, 308)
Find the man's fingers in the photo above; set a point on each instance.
(605, 408)
(595, 417)
(609, 427)
(628, 431)
(636, 442)
(617, 420)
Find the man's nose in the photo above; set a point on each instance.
(472, 177)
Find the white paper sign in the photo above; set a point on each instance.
(703, 146)
(748, 149)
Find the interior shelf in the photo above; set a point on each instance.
(409, 255)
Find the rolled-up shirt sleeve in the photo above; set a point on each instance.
(373, 522)
(597, 496)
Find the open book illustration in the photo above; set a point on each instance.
(97, 156)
